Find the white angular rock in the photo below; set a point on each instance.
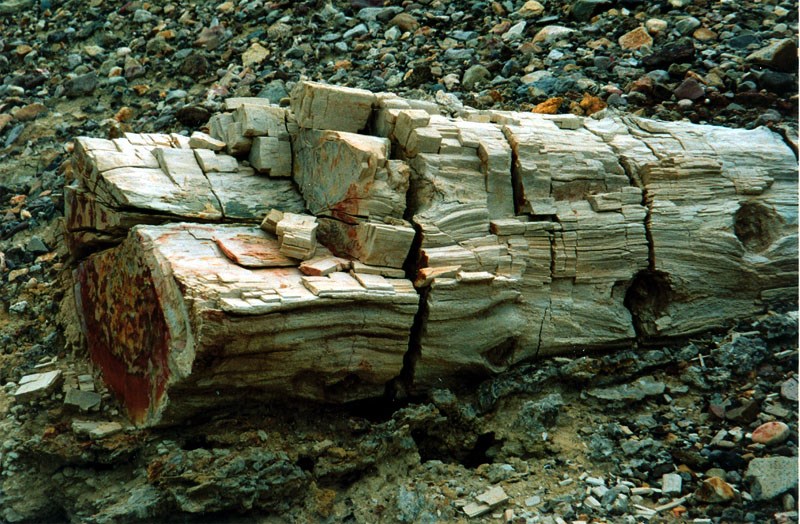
(37, 385)
(96, 430)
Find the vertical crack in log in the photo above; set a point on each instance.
(649, 292)
(401, 386)
(517, 190)
(216, 196)
(541, 329)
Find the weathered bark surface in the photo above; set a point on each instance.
(524, 235)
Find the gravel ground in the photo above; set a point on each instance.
(703, 429)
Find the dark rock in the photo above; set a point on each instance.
(616, 100)
(583, 10)
(414, 506)
(726, 459)
(29, 80)
(274, 91)
(774, 326)
(83, 400)
(670, 54)
(690, 457)
(82, 85)
(602, 63)
(777, 81)
(780, 55)
(687, 24)
(474, 75)
(35, 246)
(743, 354)
(770, 116)
(193, 116)
(418, 76)
(741, 41)
(271, 480)
(14, 134)
(194, 65)
(690, 89)
(405, 22)
(746, 412)
(789, 389)
(601, 447)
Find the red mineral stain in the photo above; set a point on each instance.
(126, 332)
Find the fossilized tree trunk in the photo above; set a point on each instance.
(448, 247)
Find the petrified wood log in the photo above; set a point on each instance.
(523, 235)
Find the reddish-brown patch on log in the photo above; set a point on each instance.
(125, 329)
(253, 251)
(347, 208)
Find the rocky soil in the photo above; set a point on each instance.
(701, 430)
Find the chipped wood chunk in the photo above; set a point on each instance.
(333, 285)
(211, 161)
(474, 276)
(270, 222)
(233, 103)
(321, 106)
(388, 272)
(262, 121)
(507, 226)
(322, 266)
(374, 282)
(236, 142)
(271, 156)
(218, 126)
(200, 140)
(297, 234)
(408, 121)
(252, 250)
(426, 275)
(347, 176)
